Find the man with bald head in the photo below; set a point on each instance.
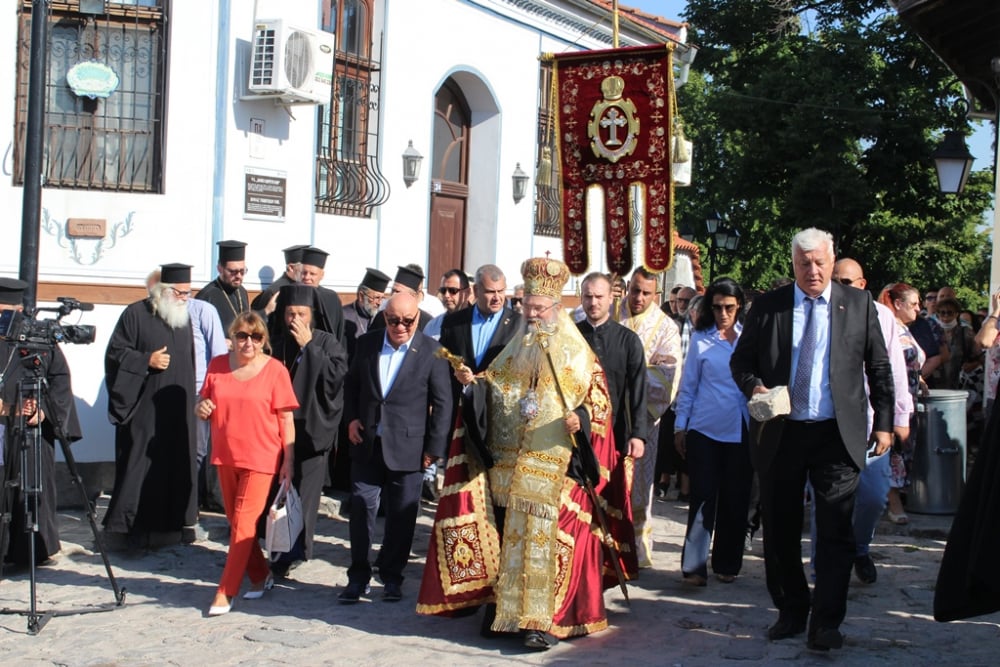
(398, 410)
(873, 484)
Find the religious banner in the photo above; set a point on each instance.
(613, 113)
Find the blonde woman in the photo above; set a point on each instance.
(249, 399)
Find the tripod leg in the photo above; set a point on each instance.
(91, 516)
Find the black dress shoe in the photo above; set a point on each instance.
(353, 591)
(540, 641)
(392, 592)
(824, 639)
(864, 569)
(787, 626)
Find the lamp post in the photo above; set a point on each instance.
(720, 237)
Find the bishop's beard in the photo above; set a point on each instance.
(170, 309)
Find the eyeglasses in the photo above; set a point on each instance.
(405, 322)
(241, 337)
(946, 313)
(516, 300)
(682, 300)
(930, 297)
(728, 307)
(236, 272)
(181, 293)
(451, 291)
(846, 281)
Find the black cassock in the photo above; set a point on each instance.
(58, 406)
(153, 412)
(260, 301)
(317, 373)
(229, 301)
(621, 355)
(968, 583)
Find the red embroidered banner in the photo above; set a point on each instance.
(613, 120)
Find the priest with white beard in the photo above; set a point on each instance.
(150, 376)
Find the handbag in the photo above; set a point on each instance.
(284, 520)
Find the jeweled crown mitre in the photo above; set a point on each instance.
(544, 277)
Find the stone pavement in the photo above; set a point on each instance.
(300, 622)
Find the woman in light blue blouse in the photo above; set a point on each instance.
(711, 434)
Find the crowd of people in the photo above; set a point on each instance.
(542, 434)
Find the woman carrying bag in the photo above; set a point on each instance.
(249, 399)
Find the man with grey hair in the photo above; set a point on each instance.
(815, 337)
(150, 376)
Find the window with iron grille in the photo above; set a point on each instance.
(348, 178)
(113, 143)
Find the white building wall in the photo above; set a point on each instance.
(491, 47)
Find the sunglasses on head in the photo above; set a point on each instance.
(406, 322)
(242, 336)
(450, 290)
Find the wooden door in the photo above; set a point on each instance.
(447, 233)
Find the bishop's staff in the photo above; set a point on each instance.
(602, 520)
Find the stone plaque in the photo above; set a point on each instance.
(87, 228)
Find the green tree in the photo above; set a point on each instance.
(825, 114)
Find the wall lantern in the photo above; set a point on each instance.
(953, 162)
(520, 183)
(411, 164)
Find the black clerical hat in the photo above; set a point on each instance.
(173, 274)
(12, 291)
(297, 294)
(375, 280)
(293, 253)
(232, 251)
(314, 256)
(410, 277)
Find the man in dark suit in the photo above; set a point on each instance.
(398, 407)
(816, 337)
(478, 334)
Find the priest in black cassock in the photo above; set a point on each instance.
(317, 363)
(313, 269)
(150, 377)
(57, 407)
(620, 352)
(359, 314)
(264, 302)
(226, 292)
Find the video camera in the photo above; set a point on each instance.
(18, 327)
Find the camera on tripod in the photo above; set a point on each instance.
(18, 327)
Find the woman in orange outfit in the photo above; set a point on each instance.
(249, 397)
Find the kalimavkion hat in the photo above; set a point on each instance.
(173, 274)
(314, 256)
(297, 294)
(410, 277)
(12, 291)
(293, 253)
(232, 251)
(375, 280)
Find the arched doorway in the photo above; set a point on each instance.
(449, 181)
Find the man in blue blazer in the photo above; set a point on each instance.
(819, 338)
(398, 410)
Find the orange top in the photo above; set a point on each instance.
(246, 429)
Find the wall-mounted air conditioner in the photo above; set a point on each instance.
(294, 65)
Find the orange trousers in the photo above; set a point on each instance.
(244, 495)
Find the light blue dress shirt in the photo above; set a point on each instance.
(209, 337)
(389, 362)
(709, 400)
(483, 328)
(820, 398)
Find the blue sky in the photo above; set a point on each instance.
(980, 143)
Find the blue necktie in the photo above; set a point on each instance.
(807, 351)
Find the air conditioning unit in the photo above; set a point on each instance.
(292, 64)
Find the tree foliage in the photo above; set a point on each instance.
(825, 114)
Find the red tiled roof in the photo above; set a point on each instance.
(659, 24)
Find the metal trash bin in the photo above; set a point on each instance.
(937, 472)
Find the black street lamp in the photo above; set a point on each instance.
(720, 237)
